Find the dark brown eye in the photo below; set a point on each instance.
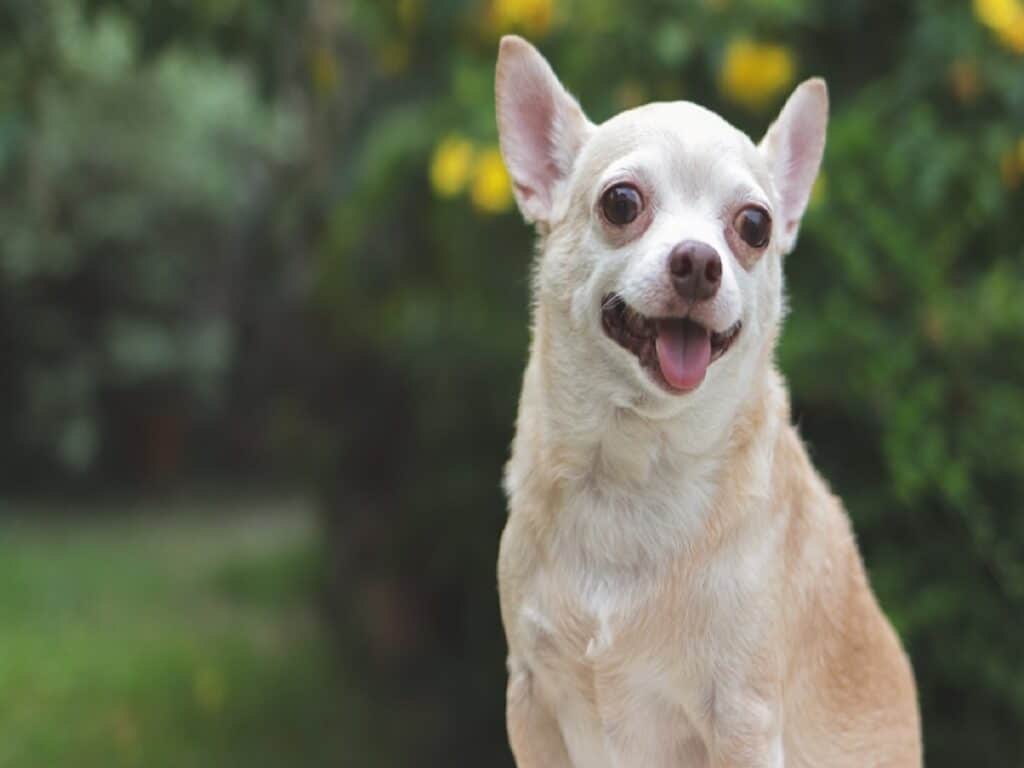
(754, 225)
(621, 204)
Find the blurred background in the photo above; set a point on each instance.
(263, 316)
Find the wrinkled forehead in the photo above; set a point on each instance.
(678, 144)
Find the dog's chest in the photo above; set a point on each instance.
(605, 676)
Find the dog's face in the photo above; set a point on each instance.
(663, 229)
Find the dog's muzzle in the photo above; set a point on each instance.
(676, 351)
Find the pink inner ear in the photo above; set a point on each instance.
(538, 114)
(803, 155)
(800, 141)
(527, 117)
(538, 122)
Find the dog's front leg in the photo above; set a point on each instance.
(532, 730)
(746, 733)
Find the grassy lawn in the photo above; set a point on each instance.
(180, 636)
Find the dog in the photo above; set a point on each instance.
(678, 585)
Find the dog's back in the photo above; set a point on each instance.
(849, 689)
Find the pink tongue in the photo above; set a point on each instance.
(684, 353)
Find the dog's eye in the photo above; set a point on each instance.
(754, 226)
(621, 204)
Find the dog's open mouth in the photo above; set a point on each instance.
(676, 351)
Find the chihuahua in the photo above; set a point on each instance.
(678, 585)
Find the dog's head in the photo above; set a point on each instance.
(662, 230)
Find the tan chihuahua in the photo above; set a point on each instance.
(678, 585)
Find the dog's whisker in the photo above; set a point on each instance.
(610, 301)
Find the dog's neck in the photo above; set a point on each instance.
(574, 441)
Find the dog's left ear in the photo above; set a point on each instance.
(793, 147)
(541, 127)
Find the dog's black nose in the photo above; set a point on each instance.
(696, 270)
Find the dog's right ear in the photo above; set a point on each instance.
(541, 127)
(794, 146)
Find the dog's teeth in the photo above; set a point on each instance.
(637, 334)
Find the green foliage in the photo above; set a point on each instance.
(138, 145)
(899, 353)
(900, 348)
(121, 180)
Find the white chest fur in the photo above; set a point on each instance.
(616, 703)
(621, 631)
(615, 687)
(623, 651)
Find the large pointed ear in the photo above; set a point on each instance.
(793, 147)
(540, 125)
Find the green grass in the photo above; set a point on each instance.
(183, 636)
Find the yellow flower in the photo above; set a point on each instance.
(451, 165)
(997, 13)
(754, 74)
(492, 190)
(1005, 18)
(534, 17)
(1012, 35)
